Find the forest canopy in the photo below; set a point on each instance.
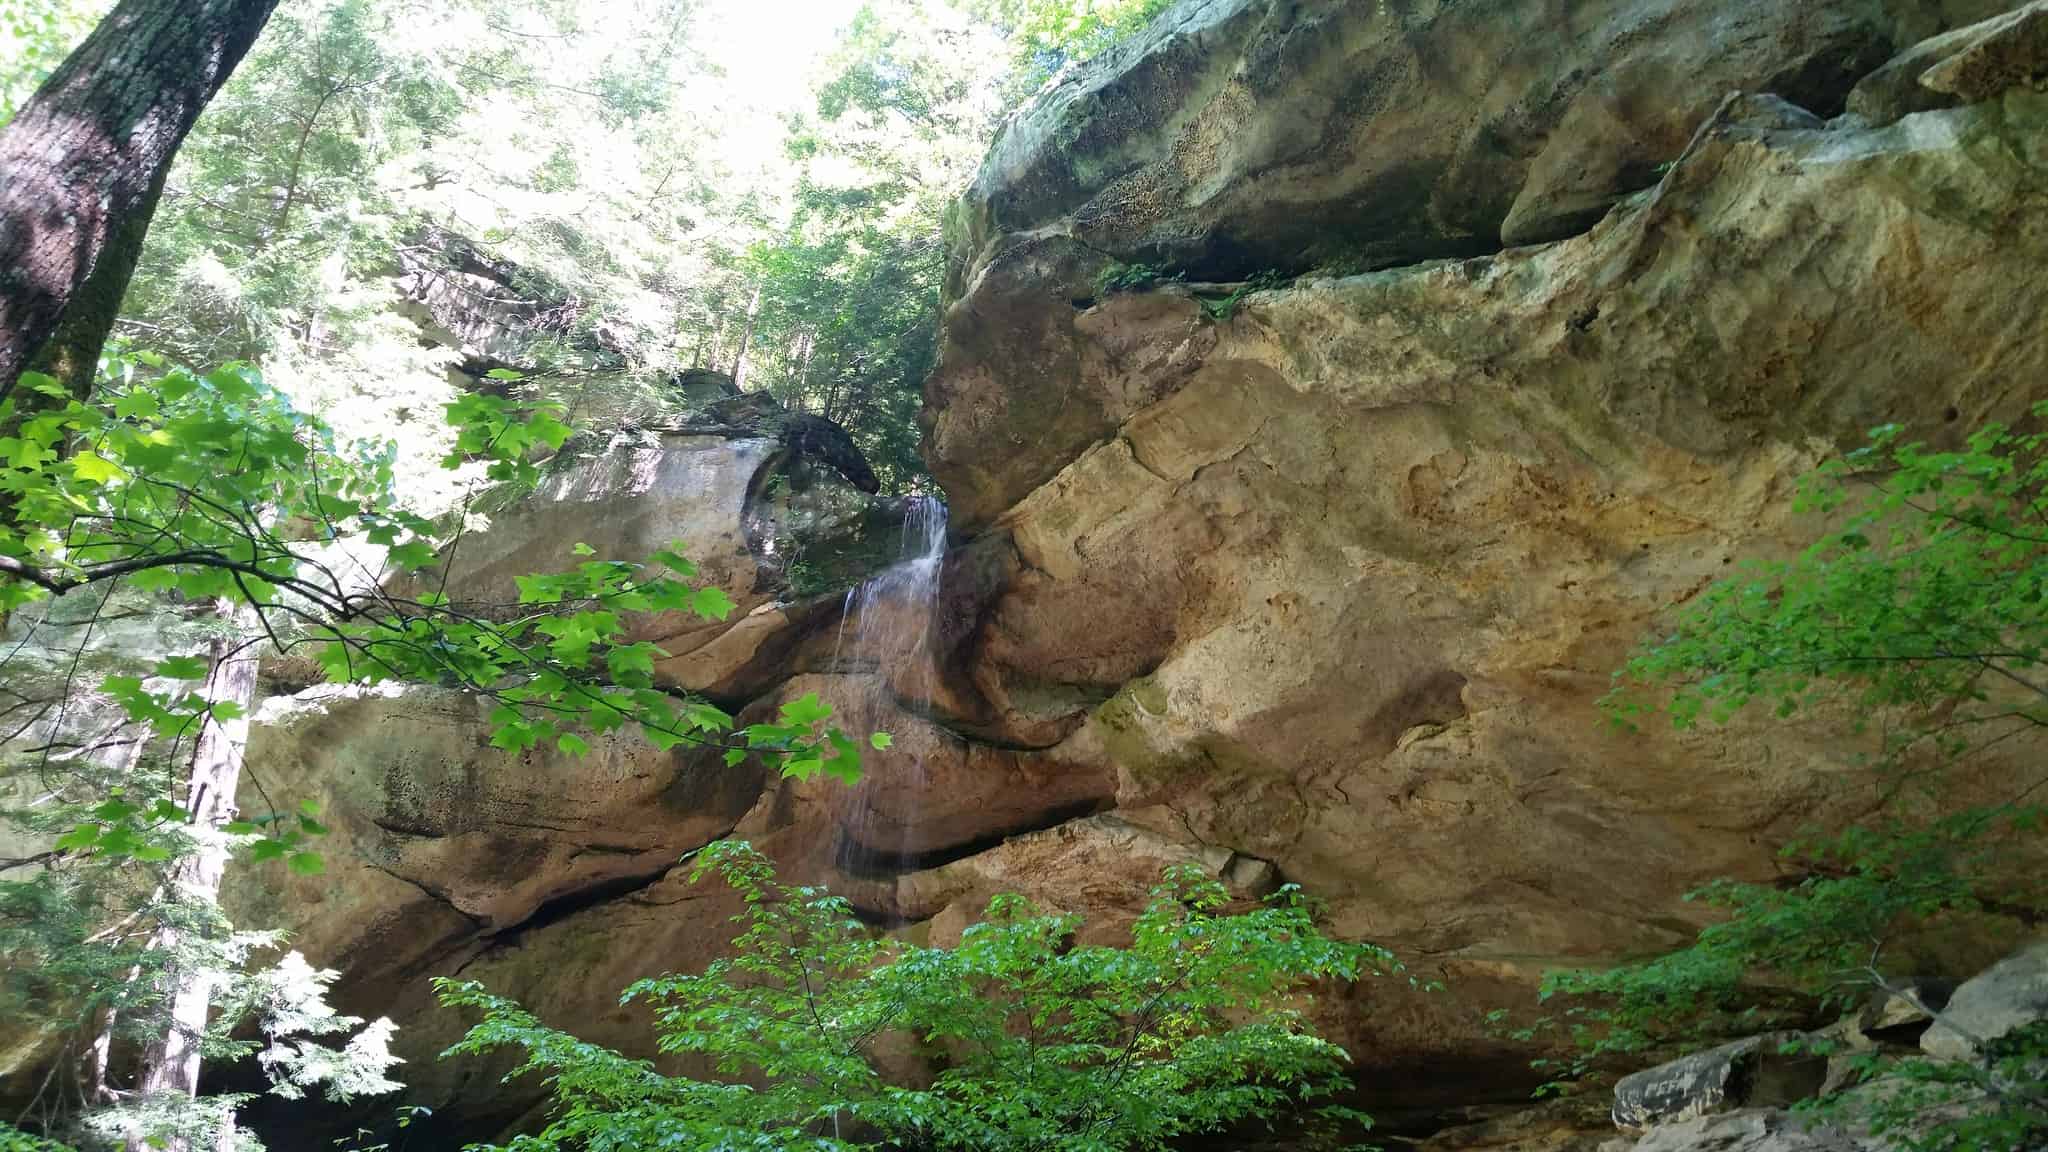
(653, 185)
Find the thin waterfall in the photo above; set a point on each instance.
(886, 626)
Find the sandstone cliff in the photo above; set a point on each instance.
(1317, 580)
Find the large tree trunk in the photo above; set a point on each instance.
(83, 163)
(170, 1062)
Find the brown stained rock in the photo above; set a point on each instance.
(1236, 135)
(1039, 370)
(1240, 136)
(413, 792)
(1368, 567)
(930, 794)
(1984, 60)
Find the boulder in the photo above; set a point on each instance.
(1960, 67)
(2011, 994)
(1752, 1130)
(1755, 1072)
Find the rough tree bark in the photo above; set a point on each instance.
(83, 164)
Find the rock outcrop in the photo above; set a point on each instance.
(490, 311)
(1751, 1130)
(1754, 1072)
(1237, 136)
(1320, 582)
(2009, 995)
(1334, 574)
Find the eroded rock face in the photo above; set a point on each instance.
(1238, 135)
(1354, 562)
(710, 489)
(1241, 136)
(1322, 585)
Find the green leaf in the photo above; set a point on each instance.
(94, 468)
(43, 384)
(806, 711)
(306, 863)
(80, 838)
(137, 404)
(411, 556)
(183, 668)
(711, 603)
(672, 558)
(881, 741)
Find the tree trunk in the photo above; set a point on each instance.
(83, 162)
(717, 339)
(170, 1063)
(739, 362)
(803, 372)
(72, 353)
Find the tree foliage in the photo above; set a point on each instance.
(1925, 608)
(1037, 1042)
(201, 488)
(38, 35)
(1048, 35)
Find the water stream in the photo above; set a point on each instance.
(886, 627)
